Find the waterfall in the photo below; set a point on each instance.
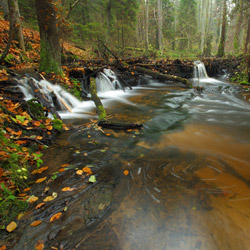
(65, 101)
(200, 70)
(200, 74)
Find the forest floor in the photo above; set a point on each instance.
(25, 132)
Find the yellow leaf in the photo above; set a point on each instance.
(67, 189)
(32, 199)
(79, 172)
(55, 217)
(41, 180)
(35, 223)
(50, 198)
(39, 137)
(11, 227)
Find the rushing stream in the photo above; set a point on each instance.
(188, 182)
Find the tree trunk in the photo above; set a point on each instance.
(18, 31)
(247, 50)
(237, 28)
(50, 51)
(159, 24)
(146, 25)
(11, 32)
(221, 49)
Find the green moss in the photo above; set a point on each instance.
(102, 113)
(48, 63)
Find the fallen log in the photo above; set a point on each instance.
(99, 107)
(41, 98)
(119, 126)
(162, 77)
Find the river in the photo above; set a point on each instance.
(188, 181)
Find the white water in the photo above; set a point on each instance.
(108, 88)
(200, 76)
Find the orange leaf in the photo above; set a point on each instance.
(61, 170)
(40, 205)
(3, 247)
(35, 223)
(67, 189)
(11, 227)
(36, 123)
(41, 180)
(64, 165)
(39, 245)
(49, 127)
(55, 217)
(22, 195)
(47, 121)
(33, 199)
(87, 170)
(26, 190)
(108, 134)
(39, 137)
(40, 170)
(126, 172)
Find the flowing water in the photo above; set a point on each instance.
(188, 181)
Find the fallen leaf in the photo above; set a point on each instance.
(1, 172)
(49, 127)
(108, 134)
(40, 205)
(22, 195)
(40, 170)
(26, 190)
(39, 245)
(92, 179)
(126, 172)
(67, 189)
(11, 227)
(55, 217)
(39, 137)
(79, 172)
(32, 199)
(35, 223)
(50, 198)
(64, 165)
(36, 123)
(61, 170)
(87, 170)
(41, 180)
(3, 248)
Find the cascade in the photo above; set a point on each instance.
(64, 101)
(199, 74)
(200, 70)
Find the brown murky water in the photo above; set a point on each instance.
(188, 182)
